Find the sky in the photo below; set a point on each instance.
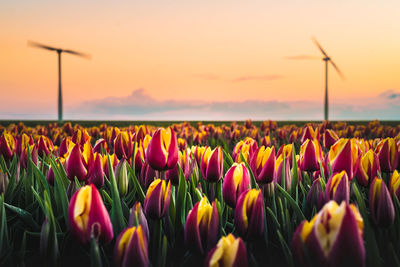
(200, 60)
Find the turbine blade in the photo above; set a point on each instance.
(319, 46)
(302, 57)
(337, 69)
(38, 45)
(76, 53)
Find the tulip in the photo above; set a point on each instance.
(394, 184)
(249, 214)
(182, 144)
(367, 167)
(202, 226)
(263, 164)
(334, 237)
(310, 155)
(198, 152)
(147, 175)
(380, 203)
(247, 147)
(3, 182)
(162, 152)
(184, 163)
(229, 252)
(50, 176)
(45, 146)
(309, 134)
(287, 151)
(337, 188)
(88, 217)
(65, 147)
(7, 146)
(266, 141)
(388, 154)
(315, 197)
(343, 156)
(78, 162)
(100, 145)
(236, 181)
(137, 218)
(330, 137)
(121, 176)
(81, 137)
(140, 153)
(114, 162)
(156, 202)
(123, 145)
(22, 141)
(131, 248)
(212, 164)
(24, 155)
(95, 173)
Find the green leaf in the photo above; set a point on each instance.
(60, 189)
(136, 184)
(24, 215)
(117, 216)
(291, 202)
(181, 199)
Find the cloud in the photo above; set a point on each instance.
(270, 77)
(139, 105)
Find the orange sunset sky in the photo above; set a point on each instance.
(200, 59)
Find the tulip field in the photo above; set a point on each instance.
(200, 194)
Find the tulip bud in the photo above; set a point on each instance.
(202, 226)
(380, 203)
(315, 196)
(212, 165)
(395, 184)
(198, 152)
(249, 214)
(114, 162)
(337, 188)
(75, 164)
(266, 141)
(162, 152)
(88, 217)
(330, 137)
(334, 237)
(137, 218)
(367, 167)
(147, 175)
(7, 146)
(3, 182)
(121, 176)
(388, 154)
(229, 252)
(287, 151)
(309, 134)
(310, 155)
(156, 202)
(236, 181)
(263, 164)
(131, 248)
(96, 174)
(50, 176)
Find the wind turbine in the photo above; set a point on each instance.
(327, 59)
(59, 52)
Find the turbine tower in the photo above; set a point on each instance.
(59, 52)
(327, 59)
